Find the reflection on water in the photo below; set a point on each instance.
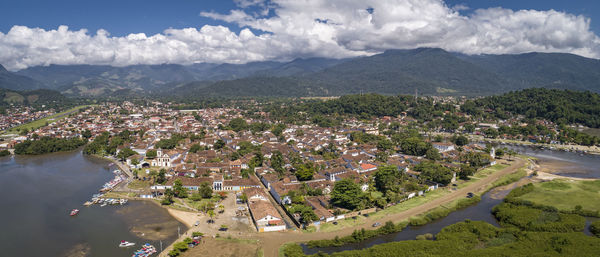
(37, 194)
(570, 164)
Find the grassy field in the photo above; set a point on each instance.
(565, 195)
(592, 131)
(414, 202)
(406, 205)
(510, 178)
(139, 184)
(42, 122)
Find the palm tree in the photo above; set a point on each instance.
(211, 214)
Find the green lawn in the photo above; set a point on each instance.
(406, 205)
(489, 170)
(139, 184)
(414, 202)
(328, 227)
(565, 195)
(510, 178)
(42, 122)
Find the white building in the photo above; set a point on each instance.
(162, 159)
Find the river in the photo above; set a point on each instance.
(569, 164)
(573, 164)
(37, 194)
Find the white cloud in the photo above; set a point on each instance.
(460, 7)
(327, 28)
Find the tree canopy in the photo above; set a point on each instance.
(346, 194)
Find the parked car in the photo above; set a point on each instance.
(470, 195)
(335, 223)
(376, 224)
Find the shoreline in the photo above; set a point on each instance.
(187, 218)
(592, 150)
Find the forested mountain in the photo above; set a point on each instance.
(32, 97)
(561, 106)
(9, 80)
(96, 80)
(301, 66)
(432, 71)
(550, 70)
(252, 86)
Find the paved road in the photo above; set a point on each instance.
(273, 240)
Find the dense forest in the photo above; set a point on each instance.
(48, 145)
(104, 144)
(559, 106)
(478, 238)
(364, 106)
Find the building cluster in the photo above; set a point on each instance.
(16, 116)
(214, 164)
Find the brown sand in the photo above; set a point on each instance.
(187, 218)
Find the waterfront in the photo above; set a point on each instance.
(38, 192)
(480, 211)
(568, 164)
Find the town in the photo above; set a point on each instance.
(245, 170)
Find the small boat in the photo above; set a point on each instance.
(88, 203)
(74, 212)
(126, 244)
(104, 204)
(146, 251)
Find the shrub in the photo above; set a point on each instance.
(180, 246)
(174, 252)
(532, 219)
(595, 228)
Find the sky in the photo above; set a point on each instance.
(128, 32)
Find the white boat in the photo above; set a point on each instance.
(126, 244)
(104, 204)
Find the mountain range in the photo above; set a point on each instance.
(431, 71)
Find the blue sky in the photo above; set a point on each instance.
(127, 32)
(121, 17)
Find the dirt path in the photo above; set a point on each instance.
(273, 240)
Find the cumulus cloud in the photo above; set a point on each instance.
(332, 28)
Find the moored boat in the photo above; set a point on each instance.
(74, 212)
(146, 251)
(126, 244)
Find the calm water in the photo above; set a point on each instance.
(37, 194)
(575, 165)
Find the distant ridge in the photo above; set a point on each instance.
(9, 80)
(432, 71)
